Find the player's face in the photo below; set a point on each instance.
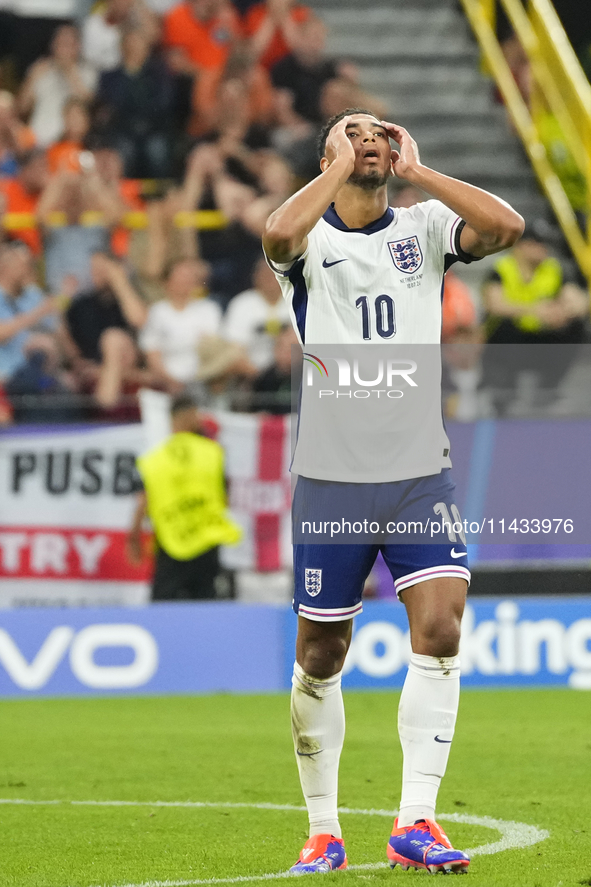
(372, 152)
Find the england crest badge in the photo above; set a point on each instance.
(406, 254)
(313, 582)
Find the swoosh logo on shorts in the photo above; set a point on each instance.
(455, 553)
(437, 739)
(327, 264)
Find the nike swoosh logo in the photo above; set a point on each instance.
(455, 553)
(437, 739)
(327, 264)
(307, 754)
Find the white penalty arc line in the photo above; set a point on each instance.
(514, 835)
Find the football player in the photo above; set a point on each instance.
(354, 270)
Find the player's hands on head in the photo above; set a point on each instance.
(338, 143)
(406, 159)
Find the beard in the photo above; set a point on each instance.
(369, 181)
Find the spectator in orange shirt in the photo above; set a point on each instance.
(271, 28)
(65, 154)
(199, 34)
(22, 194)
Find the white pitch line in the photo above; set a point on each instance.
(514, 835)
(242, 879)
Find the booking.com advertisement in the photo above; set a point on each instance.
(227, 647)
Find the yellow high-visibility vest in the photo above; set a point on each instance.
(545, 284)
(184, 483)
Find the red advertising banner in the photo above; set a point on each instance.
(37, 552)
(67, 497)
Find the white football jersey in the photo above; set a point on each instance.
(378, 285)
(373, 284)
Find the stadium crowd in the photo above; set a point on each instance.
(143, 144)
(119, 120)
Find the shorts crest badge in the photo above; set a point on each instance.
(406, 254)
(313, 582)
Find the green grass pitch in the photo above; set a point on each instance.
(518, 755)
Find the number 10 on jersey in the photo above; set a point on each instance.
(384, 316)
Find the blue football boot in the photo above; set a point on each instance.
(425, 845)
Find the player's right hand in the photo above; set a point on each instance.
(407, 158)
(338, 143)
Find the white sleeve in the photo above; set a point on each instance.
(444, 227)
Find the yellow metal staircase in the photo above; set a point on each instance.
(560, 93)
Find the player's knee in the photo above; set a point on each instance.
(447, 643)
(323, 658)
(439, 637)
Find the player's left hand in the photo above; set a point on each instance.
(407, 158)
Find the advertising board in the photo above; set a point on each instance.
(229, 647)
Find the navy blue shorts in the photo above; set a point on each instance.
(329, 573)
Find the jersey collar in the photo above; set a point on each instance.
(333, 219)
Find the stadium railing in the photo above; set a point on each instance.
(64, 407)
(203, 219)
(559, 85)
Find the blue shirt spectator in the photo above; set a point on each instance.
(68, 250)
(23, 307)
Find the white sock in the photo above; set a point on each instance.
(318, 727)
(428, 709)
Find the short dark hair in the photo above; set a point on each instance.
(181, 403)
(332, 121)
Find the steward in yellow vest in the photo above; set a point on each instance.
(184, 497)
(527, 298)
(531, 308)
(184, 483)
(545, 283)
